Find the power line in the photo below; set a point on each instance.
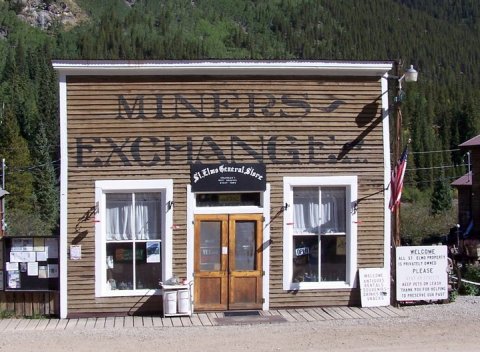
(33, 167)
(411, 183)
(436, 167)
(436, 151)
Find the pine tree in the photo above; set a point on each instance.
(441, 199)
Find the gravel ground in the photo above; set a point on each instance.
(433, 327)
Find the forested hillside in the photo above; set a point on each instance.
(439, 37)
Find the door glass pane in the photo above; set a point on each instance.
(245, 245)
(210, 243)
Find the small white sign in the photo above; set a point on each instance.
(32, 269)
(11, 266)
(421, 273)
(153, 251)
(374, 287)
(22, 257)
(75, 252)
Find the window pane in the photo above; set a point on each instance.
(210, 242)
(148, 265)
(118, 216)
(148, 208)
(228, 199)
(333, 209)
(305, 258)
(120, 266)
(305, 210)
(333, 258)
(245, 245)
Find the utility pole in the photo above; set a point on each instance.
(2, 232)
(2, 201)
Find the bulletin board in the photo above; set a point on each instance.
(31, 264)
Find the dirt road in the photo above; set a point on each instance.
(447, 327)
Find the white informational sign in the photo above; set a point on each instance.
(422, 273)
(374, 287)
(75, 252)
(11, 266)
(32, 269)
(22, 244)
(22, 257)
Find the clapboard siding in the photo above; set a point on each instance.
(291, 139)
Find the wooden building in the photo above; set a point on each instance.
(468, 187)
(261, 183)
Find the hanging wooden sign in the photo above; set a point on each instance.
(228, 177)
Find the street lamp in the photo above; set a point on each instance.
(409, 75)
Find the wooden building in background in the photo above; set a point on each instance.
(468, 187)
(260, 183)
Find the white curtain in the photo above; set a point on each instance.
(147, 216)
(333, 210)
(119, 211)
(118, 216)
(311, 217)
(306, 216)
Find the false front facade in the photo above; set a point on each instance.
(260, 184)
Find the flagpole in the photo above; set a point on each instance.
(396, 209)
(397, 150)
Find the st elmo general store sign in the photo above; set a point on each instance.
(261, 148)
(228, 177)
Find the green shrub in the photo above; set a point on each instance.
(471, 273)
(5, 314)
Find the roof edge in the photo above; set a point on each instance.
(214, 67)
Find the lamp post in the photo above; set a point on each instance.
(410, 75)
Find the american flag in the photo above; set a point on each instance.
(396, 183)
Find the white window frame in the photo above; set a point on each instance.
(108, 186)
(350, 184)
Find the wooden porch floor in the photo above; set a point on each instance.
(203, 319)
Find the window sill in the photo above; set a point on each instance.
(319, 285)
(130, 293)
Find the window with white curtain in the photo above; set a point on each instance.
(131, 243)
(319, 232)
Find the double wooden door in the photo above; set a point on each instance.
(228, 262)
